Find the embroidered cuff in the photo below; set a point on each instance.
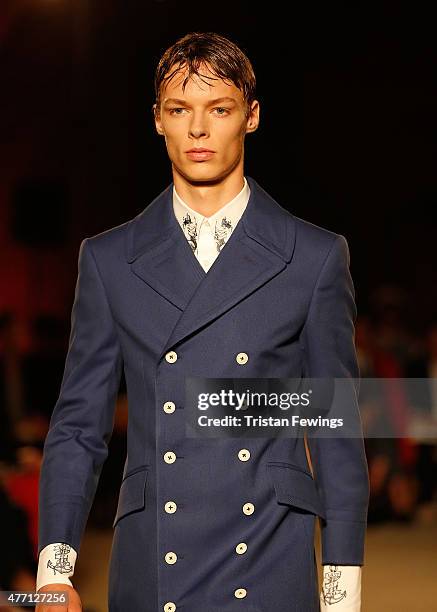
(341, 589)
(56, 564)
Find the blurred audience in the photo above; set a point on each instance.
(402, 468)
(18, 564)
(43, 366)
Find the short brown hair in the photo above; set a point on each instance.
(225, 59)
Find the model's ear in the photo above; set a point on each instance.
(157, 117)
(253, 117)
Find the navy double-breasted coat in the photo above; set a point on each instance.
(199, 527)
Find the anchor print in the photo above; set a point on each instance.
(221, 233)
(331, 592)
(62, 564)
(190, 228)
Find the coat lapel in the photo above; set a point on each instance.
(259, 247)
(159, 252)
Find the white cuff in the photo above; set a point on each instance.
(56, 564)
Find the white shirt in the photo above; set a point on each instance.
(207, 236)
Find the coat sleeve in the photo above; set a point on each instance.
(339, 464)
(82, 421)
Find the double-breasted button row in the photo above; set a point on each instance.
(244, 455)
(248, 509)
(170, 506)
(241, 358)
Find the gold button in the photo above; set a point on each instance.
(171, 356)
(171, 557)
(242, 358)
(169, 407)
(169, 457)
(170, 507)
(241, 548)
(244, 454)
(169, 607)
(240, 593)
(248, 508)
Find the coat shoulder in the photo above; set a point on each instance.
(110, 242)
(315, 235)
(313, 240)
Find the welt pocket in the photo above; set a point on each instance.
(135, 470)
(295, 486)
(132, 495)
(290, 466)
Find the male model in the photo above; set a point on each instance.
(213, 279)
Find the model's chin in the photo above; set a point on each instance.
(201, 172)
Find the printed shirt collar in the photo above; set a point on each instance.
(232, 210)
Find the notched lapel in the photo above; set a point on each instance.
(170, 269)
(159, 253)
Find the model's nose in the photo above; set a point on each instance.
(198, 127)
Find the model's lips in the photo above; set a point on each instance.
(199, 154)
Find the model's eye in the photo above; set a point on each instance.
(221, 110)
(175, 111)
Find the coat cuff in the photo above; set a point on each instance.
(343, 542)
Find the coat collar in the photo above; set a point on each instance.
(158, 252)
(263, 220)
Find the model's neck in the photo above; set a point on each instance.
(207, 198)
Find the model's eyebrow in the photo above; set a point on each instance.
(210, 103)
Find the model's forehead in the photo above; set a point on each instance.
(205, 85)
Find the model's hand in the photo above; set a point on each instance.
(74, 603)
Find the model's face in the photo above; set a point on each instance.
(207, 115)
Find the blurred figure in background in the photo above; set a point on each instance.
(43, 366)
(423, 364)
(401, 470)
(10, 385)
(18, 564)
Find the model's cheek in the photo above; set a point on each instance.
(233, 150)
(174, 151)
